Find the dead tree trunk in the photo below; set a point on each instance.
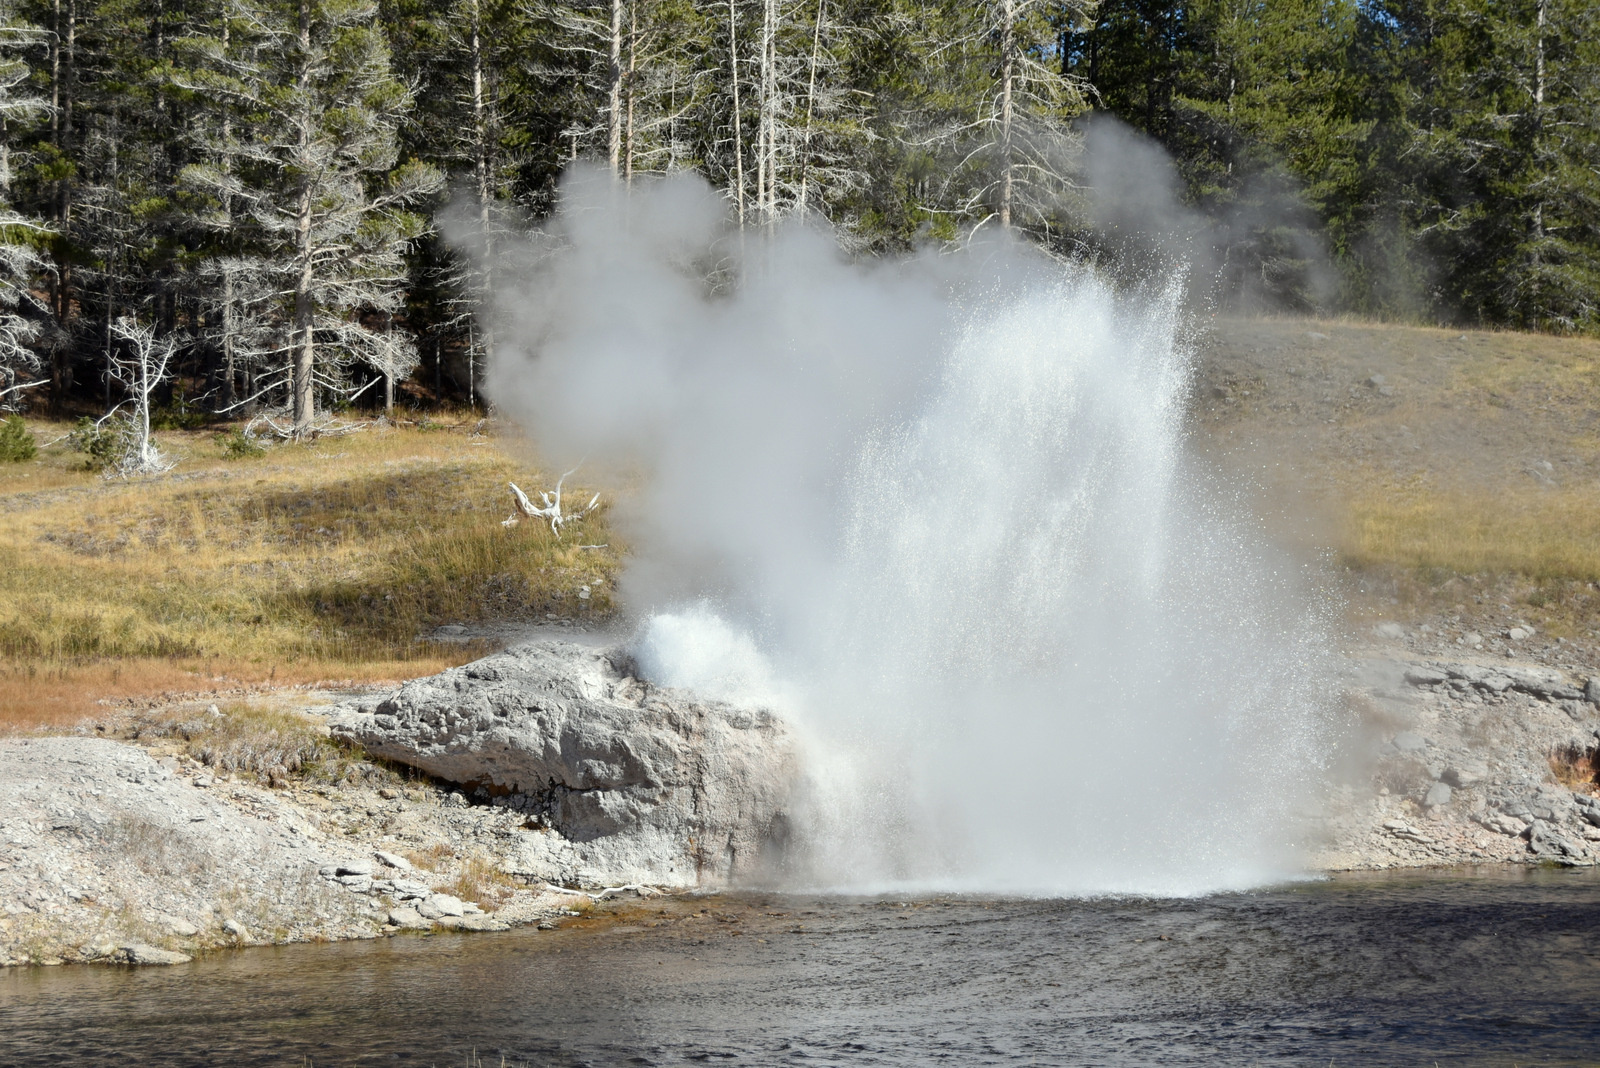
(811, 97)
(614, 73)
(738, 126)
(1008, 73)
(482, 133)
(304, 343)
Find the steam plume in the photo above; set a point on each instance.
(939, 509)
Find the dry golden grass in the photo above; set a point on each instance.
(480, 879)
(430, 856)
(1577, 768)
(1450, 470)
(329, 560)
(1541, 534)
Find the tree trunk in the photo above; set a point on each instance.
(1007, 75)
(482, 132)
(633, 68)
(304, 349)
(63, 79)
(1538, 134)
(229, 370)
(811, 97)
(738, 126)
(229, 323)
(614, 76)
(766, 139)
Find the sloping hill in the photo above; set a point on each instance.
(1455, 474)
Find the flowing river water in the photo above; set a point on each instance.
(1465, 968)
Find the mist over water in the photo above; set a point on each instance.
(939, 512)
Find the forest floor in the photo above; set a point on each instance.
(330, 563)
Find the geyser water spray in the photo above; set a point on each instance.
(939, 511)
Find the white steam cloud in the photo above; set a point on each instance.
(939, 509)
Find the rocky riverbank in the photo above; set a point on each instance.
(1466, 754)
(112, 852)
(535, 783)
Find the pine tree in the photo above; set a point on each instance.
(331, 197)
(1505, 166)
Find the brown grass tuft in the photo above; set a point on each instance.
(1577, 768)
(480, 879)
(430, 856)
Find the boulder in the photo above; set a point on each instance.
(626, 782)
(1419, 675)
(139, 953)
(408, 918)
(441, 905)
(1466, 773)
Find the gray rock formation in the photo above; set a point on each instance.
(630, 782)
(1470, 761)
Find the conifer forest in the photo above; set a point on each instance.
(241, 205)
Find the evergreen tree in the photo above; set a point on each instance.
(331, 197)
(1504, 160)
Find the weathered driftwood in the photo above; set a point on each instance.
(549, 506)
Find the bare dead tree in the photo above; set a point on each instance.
(140, 367)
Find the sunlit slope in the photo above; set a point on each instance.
(332, 559)
(1440, 452)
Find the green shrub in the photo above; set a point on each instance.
(179, 413)
(102, 444)
(16, 443)
(237, 445)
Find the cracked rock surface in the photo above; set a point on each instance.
(1473, 759)
(625, 781)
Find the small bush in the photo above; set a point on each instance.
(103, 444)
(269, 745)
(237, 445)
(480, 879)
(16, 443)
(179, 414)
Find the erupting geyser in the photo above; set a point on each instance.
(940, 512)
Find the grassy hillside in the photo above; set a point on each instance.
(1447, 469)
(330, 560)
(1455, 478)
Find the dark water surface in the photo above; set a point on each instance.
(1493, 968)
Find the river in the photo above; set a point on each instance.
(1494, 967)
